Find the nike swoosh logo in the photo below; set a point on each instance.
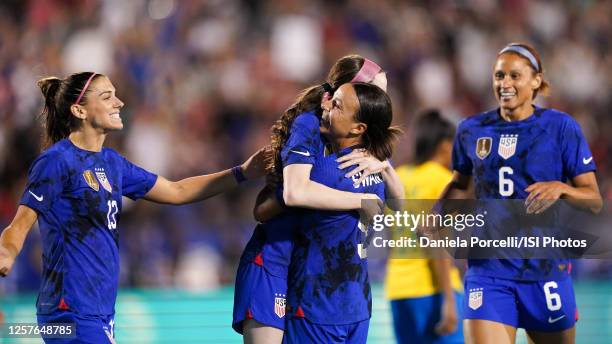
(38, 198)
(551, 320)
(586, 161)
(300, 153)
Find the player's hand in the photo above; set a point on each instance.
(7, 259)
(371, 205)
(255, 166)
(448, 318)
(542, 195)
(365, 163)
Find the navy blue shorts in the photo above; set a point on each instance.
(300, 330)
(415, 319)
(260, 296)
(545, 306)
(89, 330)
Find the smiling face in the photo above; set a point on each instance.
(338, 119)
(514, 83)
(101, 109)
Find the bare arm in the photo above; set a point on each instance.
(583, 193)
(199, 188)
(13, 236)
(460, 187)
(266, 205)
(300, 191)
(448, 318)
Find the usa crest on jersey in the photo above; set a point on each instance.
(475, 300)
(507, 145)
(280, 302)
(483, 147)
(103, 180)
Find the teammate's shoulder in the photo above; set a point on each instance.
(308, 117)
(56, 151)
(557, 118)
(479, 119)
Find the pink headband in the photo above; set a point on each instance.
(84, 88)
(367, 72)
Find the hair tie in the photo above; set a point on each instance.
(515, 48)
(84, 88)
(367, 72)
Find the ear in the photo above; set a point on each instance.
(78, 111)
(358, 129)
(537, 81)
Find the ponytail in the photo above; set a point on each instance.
(60, 95)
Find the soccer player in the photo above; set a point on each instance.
(425, 294)
(261, 281)
(329, 297)
(75, 190)
(522, 151)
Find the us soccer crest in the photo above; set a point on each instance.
(507, 146)
(483, 147)
(91, 180)
(103, 180)
(475, 300)
(280, 302)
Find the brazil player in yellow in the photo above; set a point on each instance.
(425, 294)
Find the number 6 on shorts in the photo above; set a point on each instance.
(553, 300)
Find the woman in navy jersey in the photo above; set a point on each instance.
(75, 190)
(261, 286)
(525, 152)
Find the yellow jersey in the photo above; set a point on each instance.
(407, 278)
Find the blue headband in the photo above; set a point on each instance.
(524, 53)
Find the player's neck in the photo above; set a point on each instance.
(87, 141)
(340, 144)
(517, 114)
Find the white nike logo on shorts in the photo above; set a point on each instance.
(586, 161)
(551, 320)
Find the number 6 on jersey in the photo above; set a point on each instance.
(506, 185)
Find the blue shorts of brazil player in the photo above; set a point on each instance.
(89, 329)
(300, 330)
(260, 296)
(415, 319)
(544, 306)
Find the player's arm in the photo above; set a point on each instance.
(460, 187)
(199, 188)
(448, 313)
(13, 236)
(583, 193)
(267, 205)
(300, 191)
(368, 165)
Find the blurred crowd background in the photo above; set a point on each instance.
(203, 81)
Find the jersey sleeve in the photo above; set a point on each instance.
(136, 180)
(577, 156)
(46, 182)
(301, 145)
(460, 158)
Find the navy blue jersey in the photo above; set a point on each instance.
(274, 238)
(504, 158)
(77, 196)
(328, 278)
